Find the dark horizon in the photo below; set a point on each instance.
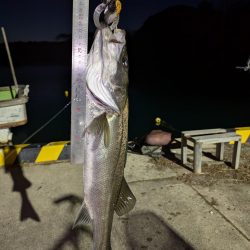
(201, 41)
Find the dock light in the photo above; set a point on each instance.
(157, 121)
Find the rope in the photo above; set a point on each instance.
(48, 122)
(42, 127)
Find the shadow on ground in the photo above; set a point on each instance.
(71, 236)
(169, 155)
(21, 184)
(145, 230)
(71, 199)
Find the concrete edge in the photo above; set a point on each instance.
(59, 151)
(35, 153)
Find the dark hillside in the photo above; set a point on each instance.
(187, 50)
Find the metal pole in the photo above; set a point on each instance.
(10, 60)
(79, 66)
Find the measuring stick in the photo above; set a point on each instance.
(78, 78)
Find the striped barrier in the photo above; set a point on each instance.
(244, 132)
(1, 158)
(58, 151)
(35, 153)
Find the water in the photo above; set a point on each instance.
(186, 112)
(48, 83)
(46, 97)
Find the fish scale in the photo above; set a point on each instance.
(102, 194)
(105, 189)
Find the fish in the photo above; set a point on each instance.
(105, 136)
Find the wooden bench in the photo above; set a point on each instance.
(210, 136)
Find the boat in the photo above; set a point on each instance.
(13, 99)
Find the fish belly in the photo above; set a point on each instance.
(103, 174)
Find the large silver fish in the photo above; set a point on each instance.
(105, 189)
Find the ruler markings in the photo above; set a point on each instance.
(78, 78)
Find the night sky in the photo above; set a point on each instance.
(30, 20)
(174, 51)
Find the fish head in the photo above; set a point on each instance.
(107, 72)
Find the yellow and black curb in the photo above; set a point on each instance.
(34, 153)
(244, 132)
(58, 151)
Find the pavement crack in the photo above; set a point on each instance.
(223, 216)
(172, 180)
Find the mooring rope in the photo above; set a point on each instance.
(46, 123)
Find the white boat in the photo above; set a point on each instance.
(13, 106)
(13, 99)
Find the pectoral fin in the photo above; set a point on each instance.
(82, 217)
(126, 200)
(100, 126)
(106, 131)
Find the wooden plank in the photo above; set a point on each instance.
(218, 138)
(183, 149)
(197, 157)
(221, 140)
(226, 137)
(204, 132)
(220, 151)
(236, 154)
(214, 140)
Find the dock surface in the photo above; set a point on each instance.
(175, 209)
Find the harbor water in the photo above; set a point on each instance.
(48, 84)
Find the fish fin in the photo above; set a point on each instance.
(82, 217)
(106, 133)
(126, 200)
(98, 127)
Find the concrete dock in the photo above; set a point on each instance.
(175, 208)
